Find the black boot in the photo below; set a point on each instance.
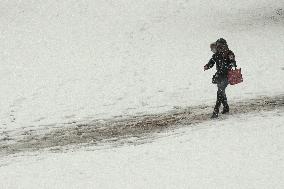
(226, 109)
(215, 113)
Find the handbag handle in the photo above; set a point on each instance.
(234, 67)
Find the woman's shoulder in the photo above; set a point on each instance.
(230, 52)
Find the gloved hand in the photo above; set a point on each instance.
(206, 67)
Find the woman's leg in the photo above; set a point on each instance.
(221, 97)
(224, 100)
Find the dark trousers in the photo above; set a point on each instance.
(221, 95)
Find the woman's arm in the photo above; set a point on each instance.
(210, 64)
(232, 59)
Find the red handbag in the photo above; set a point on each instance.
(235, 76)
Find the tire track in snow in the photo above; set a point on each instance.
(131, 129)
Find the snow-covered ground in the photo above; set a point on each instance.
(241, 152)
(65, 62)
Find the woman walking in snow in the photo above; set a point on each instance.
(224, 60)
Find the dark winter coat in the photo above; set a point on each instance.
(224, 62)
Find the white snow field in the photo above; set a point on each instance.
(69, 62)
(65, 61)
(240, 152)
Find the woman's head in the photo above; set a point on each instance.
(221, 41)
(213, 47)
(221, 45)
